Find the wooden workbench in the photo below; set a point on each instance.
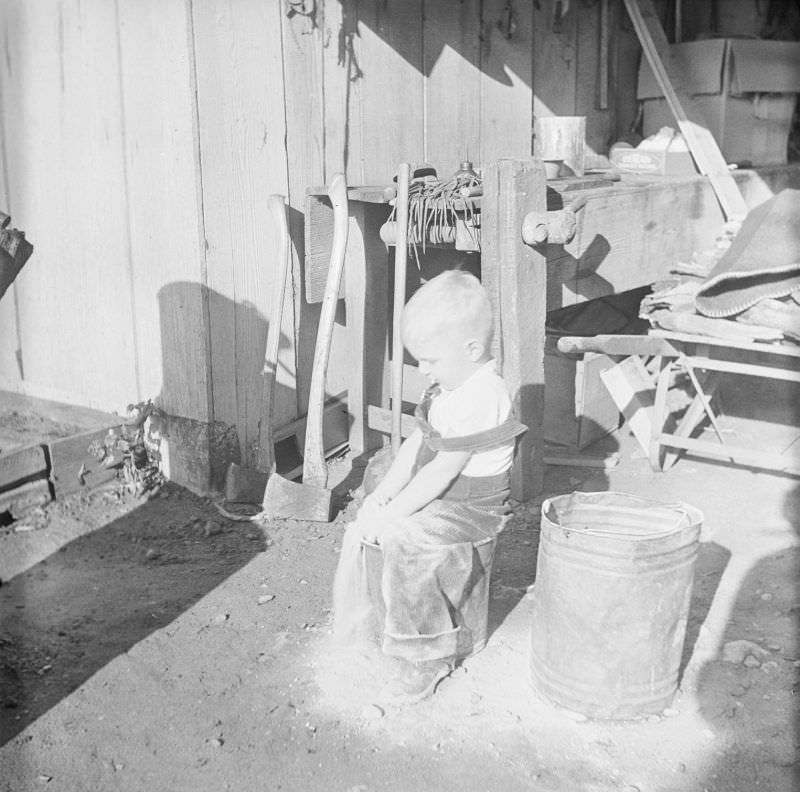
(631, 232)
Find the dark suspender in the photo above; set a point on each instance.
(478, 441)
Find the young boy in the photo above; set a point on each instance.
(446, 488)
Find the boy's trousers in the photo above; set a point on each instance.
(430, 566)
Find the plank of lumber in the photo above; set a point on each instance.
(21, 465)
(75, 466)
(17, 500)
(380, 419)
(515, 277)
(366, 279)
(616, 345)
(570, 458)
(668, 74)
(297, 428)
(505, 103)
(741, 456)
(691, 418)
(629, 385)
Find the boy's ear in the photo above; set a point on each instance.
(475, 349)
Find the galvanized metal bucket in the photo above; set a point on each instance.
(611, 600)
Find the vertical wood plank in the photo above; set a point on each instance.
(367, 301)
(625, 54)
(63, 155)
(342, 76)
(515, 276)
(239, 86)
(587, 81)
(391, 90)
(506, 121)
(451, 64)
(554, 59)
(304, 42)
(164, 208)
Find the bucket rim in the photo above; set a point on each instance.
(691, 517)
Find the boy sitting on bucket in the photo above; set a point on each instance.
(446, 489)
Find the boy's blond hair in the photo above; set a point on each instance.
(454, 301)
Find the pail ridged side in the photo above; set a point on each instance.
(611, 600)
(473, 614)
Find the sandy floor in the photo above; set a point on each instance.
(155, 645)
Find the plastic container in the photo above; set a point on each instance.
(611, 600)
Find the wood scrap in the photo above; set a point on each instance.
(778, 314)
(568, 457)
(80, 461)
(25, 496)
(692, 323)
(614, 345)
(631, 388)
(21, 465)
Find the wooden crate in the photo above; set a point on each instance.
(577, 408)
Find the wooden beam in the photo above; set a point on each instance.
(17, 500)
(367, 305)
(669, 76)
(740, 456)
(616, 345)
(75, 465)
(515, 276)
(21, 465)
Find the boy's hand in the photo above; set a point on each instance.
(373, 516)
(370, 511)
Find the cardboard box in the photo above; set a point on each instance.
(663, 154)
(745, 88)
(577, 407)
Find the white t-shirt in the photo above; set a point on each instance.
(481, 402)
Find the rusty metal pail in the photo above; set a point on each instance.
(611, 600)
(471, 617)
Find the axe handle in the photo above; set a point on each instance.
(266, 452)
(315, 470)
(400, 261)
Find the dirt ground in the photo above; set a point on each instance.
(149, 643)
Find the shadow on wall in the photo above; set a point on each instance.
(473, 38)
(213, 383)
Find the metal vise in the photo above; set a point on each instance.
(556, 228)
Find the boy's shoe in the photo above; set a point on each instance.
(418, 682)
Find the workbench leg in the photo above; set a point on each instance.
(659, 412)
(367, 304)
(516, 277)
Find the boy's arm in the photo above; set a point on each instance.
(399, 473)
(428, 483)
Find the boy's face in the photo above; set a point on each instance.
(445, 359)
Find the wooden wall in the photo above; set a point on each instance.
(141, 138)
